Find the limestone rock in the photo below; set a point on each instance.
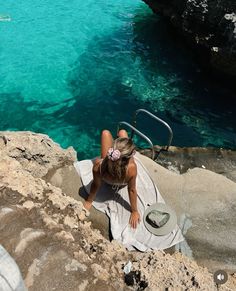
(205, 205)
(53, 255)
(181, 159)
(34, 152)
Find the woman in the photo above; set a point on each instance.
(117, 168)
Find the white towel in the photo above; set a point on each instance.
(117, 207)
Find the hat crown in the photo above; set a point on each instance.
(157, 218)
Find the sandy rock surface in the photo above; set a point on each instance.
(205, 205)
(40, 228)
(34, 152)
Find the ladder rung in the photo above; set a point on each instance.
(139, 133)
(135, 130)
(157, 119)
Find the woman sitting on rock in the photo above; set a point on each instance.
(116, 167)
(119, 185)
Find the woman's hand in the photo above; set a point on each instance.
(134, 219)
(87, 204)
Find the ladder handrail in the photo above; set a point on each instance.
(156, 118)
(139, 133)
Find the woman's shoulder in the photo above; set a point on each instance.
(132, 169)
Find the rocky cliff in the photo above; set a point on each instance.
(42, 227)
(208, 24)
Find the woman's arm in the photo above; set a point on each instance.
(94, 186)
(134, 216)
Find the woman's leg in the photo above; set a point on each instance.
(106, 142)
(122, 133)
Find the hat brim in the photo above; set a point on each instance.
(166, 228)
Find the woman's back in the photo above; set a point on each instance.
(108, 178)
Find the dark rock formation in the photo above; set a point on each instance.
(209, 24)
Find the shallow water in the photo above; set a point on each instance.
(71, 68)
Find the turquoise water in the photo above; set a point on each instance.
(71, 68)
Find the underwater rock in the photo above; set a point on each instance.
(208, 24)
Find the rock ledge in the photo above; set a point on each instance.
(40, 228)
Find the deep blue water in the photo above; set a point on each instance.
(71, 68)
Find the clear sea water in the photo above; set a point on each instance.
(71, 68)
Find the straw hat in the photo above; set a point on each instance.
(159, 219)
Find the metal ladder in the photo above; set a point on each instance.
(134, 130)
